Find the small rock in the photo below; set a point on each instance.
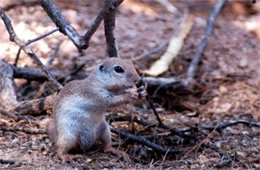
(222, 89)
(47, 140)
(15, 142)
(35, 147)
(243, 62)
(245, 133)
(88, 160)
(242, 154)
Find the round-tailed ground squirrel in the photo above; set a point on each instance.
(80, 106)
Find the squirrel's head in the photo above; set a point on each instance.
(117, 73)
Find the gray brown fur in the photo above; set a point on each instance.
(80, 106)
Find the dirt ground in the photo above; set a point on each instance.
(227, 85)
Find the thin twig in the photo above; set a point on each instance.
(165, 42)
(226, 163)
(53, 54)
(144, 141)
(31, 41)
(149, 101)
(203, 44)
(152, 51)
(22, 129)
(5, 161)
(14, 38)
(8, 114)
(41, 37)
(231, 123)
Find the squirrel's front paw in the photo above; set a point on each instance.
(137, 93)
(141, 92)
(132, 93)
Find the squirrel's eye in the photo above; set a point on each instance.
(119, 69)
(101, 68)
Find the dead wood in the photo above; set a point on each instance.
(9, 114)
(53, 54)
(23, 129)
(8, 98)
(203, 44)
(81, 42)
(35, 106)
(144, 141)
(31, 73)
(231, 123)
(7, 89)
(7, 161)
(109, 26)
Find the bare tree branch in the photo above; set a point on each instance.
(81, 42)
(85, 39)
(109, 26)
(56, 16)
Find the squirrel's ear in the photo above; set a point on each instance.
(101, 68)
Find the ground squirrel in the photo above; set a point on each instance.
(80, 106)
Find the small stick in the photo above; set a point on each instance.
(8, 114)
(22, 129)
(231, 123)
(203, 44)
(149, 101)
(152, 51)
(31, 41)
(53, 54)
(14, 38)
(41, 37)
(144, 141)
(6, 161)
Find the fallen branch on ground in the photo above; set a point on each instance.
(144, 141)
(23, 129)
(231, 123)
(6, 161)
